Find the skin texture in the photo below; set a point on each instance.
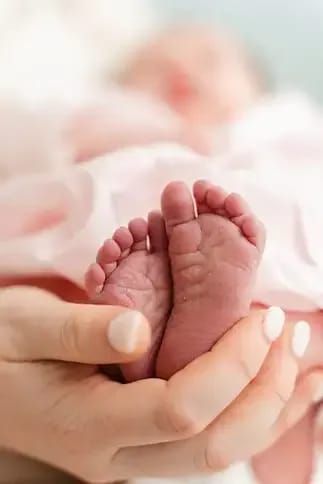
(198, 412)
(203, 74)
(288, 448)
(214, 256)
(290, 459)
(185, 276)
(129, 275)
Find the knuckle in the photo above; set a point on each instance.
(213, 459)
(282, 387)
(178, 419)
(247, 368)
(182, 424)
(274, 391)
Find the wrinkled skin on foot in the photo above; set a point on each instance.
(193, 282)
(214, 250)
(129, 273)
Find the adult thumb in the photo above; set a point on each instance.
(35, 325)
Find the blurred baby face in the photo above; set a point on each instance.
(203, 75)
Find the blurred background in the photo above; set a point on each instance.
(61, 45)
(286, 36)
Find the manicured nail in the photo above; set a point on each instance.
(301, 338)
(125, 331)
(274, 321)
(318, 395)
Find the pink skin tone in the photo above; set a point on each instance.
(195, 252)
(203, 75)
(130, 259)
(200, 72)
(133, 276)
(290, 460)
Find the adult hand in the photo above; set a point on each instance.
(215, 411)
(290, 458)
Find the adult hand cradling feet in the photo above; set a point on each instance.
(56, 406)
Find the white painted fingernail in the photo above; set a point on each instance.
(301, 338)
(274, 321)
(125, 331)
(318, 395)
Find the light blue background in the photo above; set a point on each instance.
(286, 34)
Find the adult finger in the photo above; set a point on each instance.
(308, 392)
(154, 410)
(36, 325)
(259, 406)
(237, 432)
(196, 396)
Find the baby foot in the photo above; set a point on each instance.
(129, 274)
(214, 257)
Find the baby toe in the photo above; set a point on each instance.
(177, 205)
(235, 205)
(139, 231)
(124, 239)
(94, 280)
(109, 252)
(215, 199)
(200, 189)
(254, 230)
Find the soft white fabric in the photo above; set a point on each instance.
(59, 49)
(39, 138)
(281, 178)
(32, 140)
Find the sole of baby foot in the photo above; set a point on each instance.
(132, 270)
(215, 246)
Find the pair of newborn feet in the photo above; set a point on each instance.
(190, 269)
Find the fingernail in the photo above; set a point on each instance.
(318, 395)
(274, 321)
(301, 338)
(124, 332)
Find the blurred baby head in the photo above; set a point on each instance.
(205, 75)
